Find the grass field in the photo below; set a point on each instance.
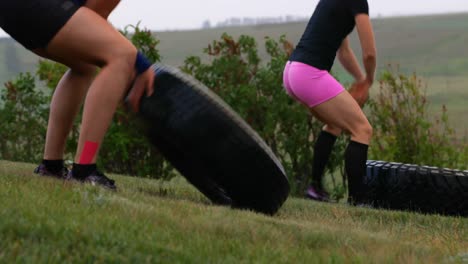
(147, 221)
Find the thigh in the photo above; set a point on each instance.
(77, 66)
(89, 38)
(342, 112)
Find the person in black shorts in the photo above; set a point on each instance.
(76, 33)
(307, 79)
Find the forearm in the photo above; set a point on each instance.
(350, 63)
(369, 51)
(370, 64)
(103, 7)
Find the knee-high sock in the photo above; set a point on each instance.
(322, 150)
(355, 166)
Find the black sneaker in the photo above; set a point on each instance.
(41, 170)
(96, 178)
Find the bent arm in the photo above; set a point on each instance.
(348, 60)
(369, 51)
(103, 7)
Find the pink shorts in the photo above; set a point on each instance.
(310, 85)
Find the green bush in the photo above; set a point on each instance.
(403, 131)
(23, 119)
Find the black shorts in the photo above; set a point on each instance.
(34, 23)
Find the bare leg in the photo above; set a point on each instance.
(90, 39)
(336, 131)
(343, 113)
(66, 102)
(323, 148)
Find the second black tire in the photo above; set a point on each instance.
(416, 188)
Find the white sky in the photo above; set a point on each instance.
(190, 14)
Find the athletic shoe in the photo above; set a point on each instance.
(317, 195)
(41, 170)
(96, 178)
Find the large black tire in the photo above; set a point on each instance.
(416, 188)
(211, 146)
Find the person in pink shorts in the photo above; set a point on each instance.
(307, 79)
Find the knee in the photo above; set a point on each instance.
(85, 70)
(370, 131)
(366, 130)
(362, 132)
(334, 130)
(123, 58)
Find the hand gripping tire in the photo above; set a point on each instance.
(211, 146)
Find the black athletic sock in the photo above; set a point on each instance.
(355, 166)
(80, 171)
(53, 166)
(322, 150)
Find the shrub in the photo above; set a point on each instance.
(23, 118)
(403, 131)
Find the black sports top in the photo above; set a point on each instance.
(330, 24)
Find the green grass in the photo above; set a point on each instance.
(46, 220)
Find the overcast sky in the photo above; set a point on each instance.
(190, 14)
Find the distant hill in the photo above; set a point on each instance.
(430, 44)
(14, 59)
(433, 46)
